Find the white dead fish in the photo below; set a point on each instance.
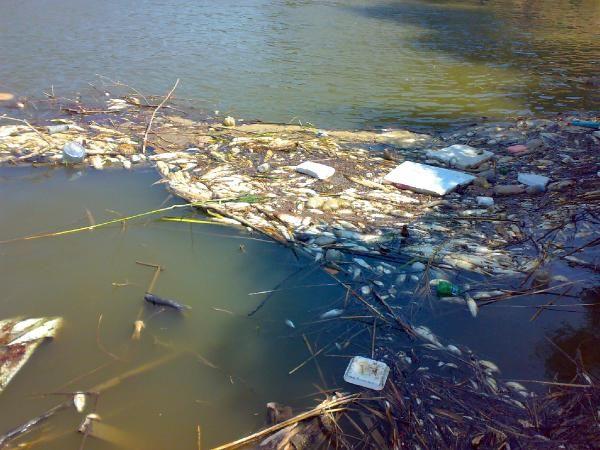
(361, 262)
(289, 323)
(454, 349)
(489, 365)
(426, 334)
(138, 326)
(79, 401)
(473, 308)
(332, 313)
(492, 384)
(515, 386)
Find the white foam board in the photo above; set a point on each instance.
(460, 156)
(427, 179)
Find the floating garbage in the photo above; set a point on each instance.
(367, 373)
(446, 289)
(289, 323)
(316, 170)
(461, 156)
(73, 152)
(533, 180)
(427, 179)
(53, 129)
(19, 338)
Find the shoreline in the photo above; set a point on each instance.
(376, 240)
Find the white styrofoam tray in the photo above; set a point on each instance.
(367, 373)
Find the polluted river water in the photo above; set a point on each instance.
(230, 364)
(346, 64)
(334, 63)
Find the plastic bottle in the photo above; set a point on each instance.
(447, 289)
(73, 153)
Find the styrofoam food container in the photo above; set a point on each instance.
(367, 373)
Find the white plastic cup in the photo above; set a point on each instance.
(73, 153)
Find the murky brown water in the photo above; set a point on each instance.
(335, 63)
(73, 276)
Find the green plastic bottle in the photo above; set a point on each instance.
(447, 289)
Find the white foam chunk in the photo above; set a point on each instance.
(427, 179)
(461, 156)
(531, 179)
(320, 171)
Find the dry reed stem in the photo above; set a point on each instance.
(145, 141)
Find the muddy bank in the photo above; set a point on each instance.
(381, 242)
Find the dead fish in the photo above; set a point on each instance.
(426, 334)
(159, 301)
(79, 401)
(332, 313)
(473, 308)
(289, 323)
(138, 326)
(515, 386)
(489, 365)
(492, 384)
(454, 349)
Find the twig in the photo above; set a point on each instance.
(154, 114)
(103, 224)
(373, 338)
(99, 343)
(316, 360)
(198, 437)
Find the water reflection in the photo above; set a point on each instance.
(581, 343)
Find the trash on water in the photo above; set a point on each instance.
(20, 338)
(289, 323)
(73, 152)
(446, 289)
(53, 129)
(427, 179)
(533, 180)
(316, 170)
(461, 156)
(586, 124)
(367, 373)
